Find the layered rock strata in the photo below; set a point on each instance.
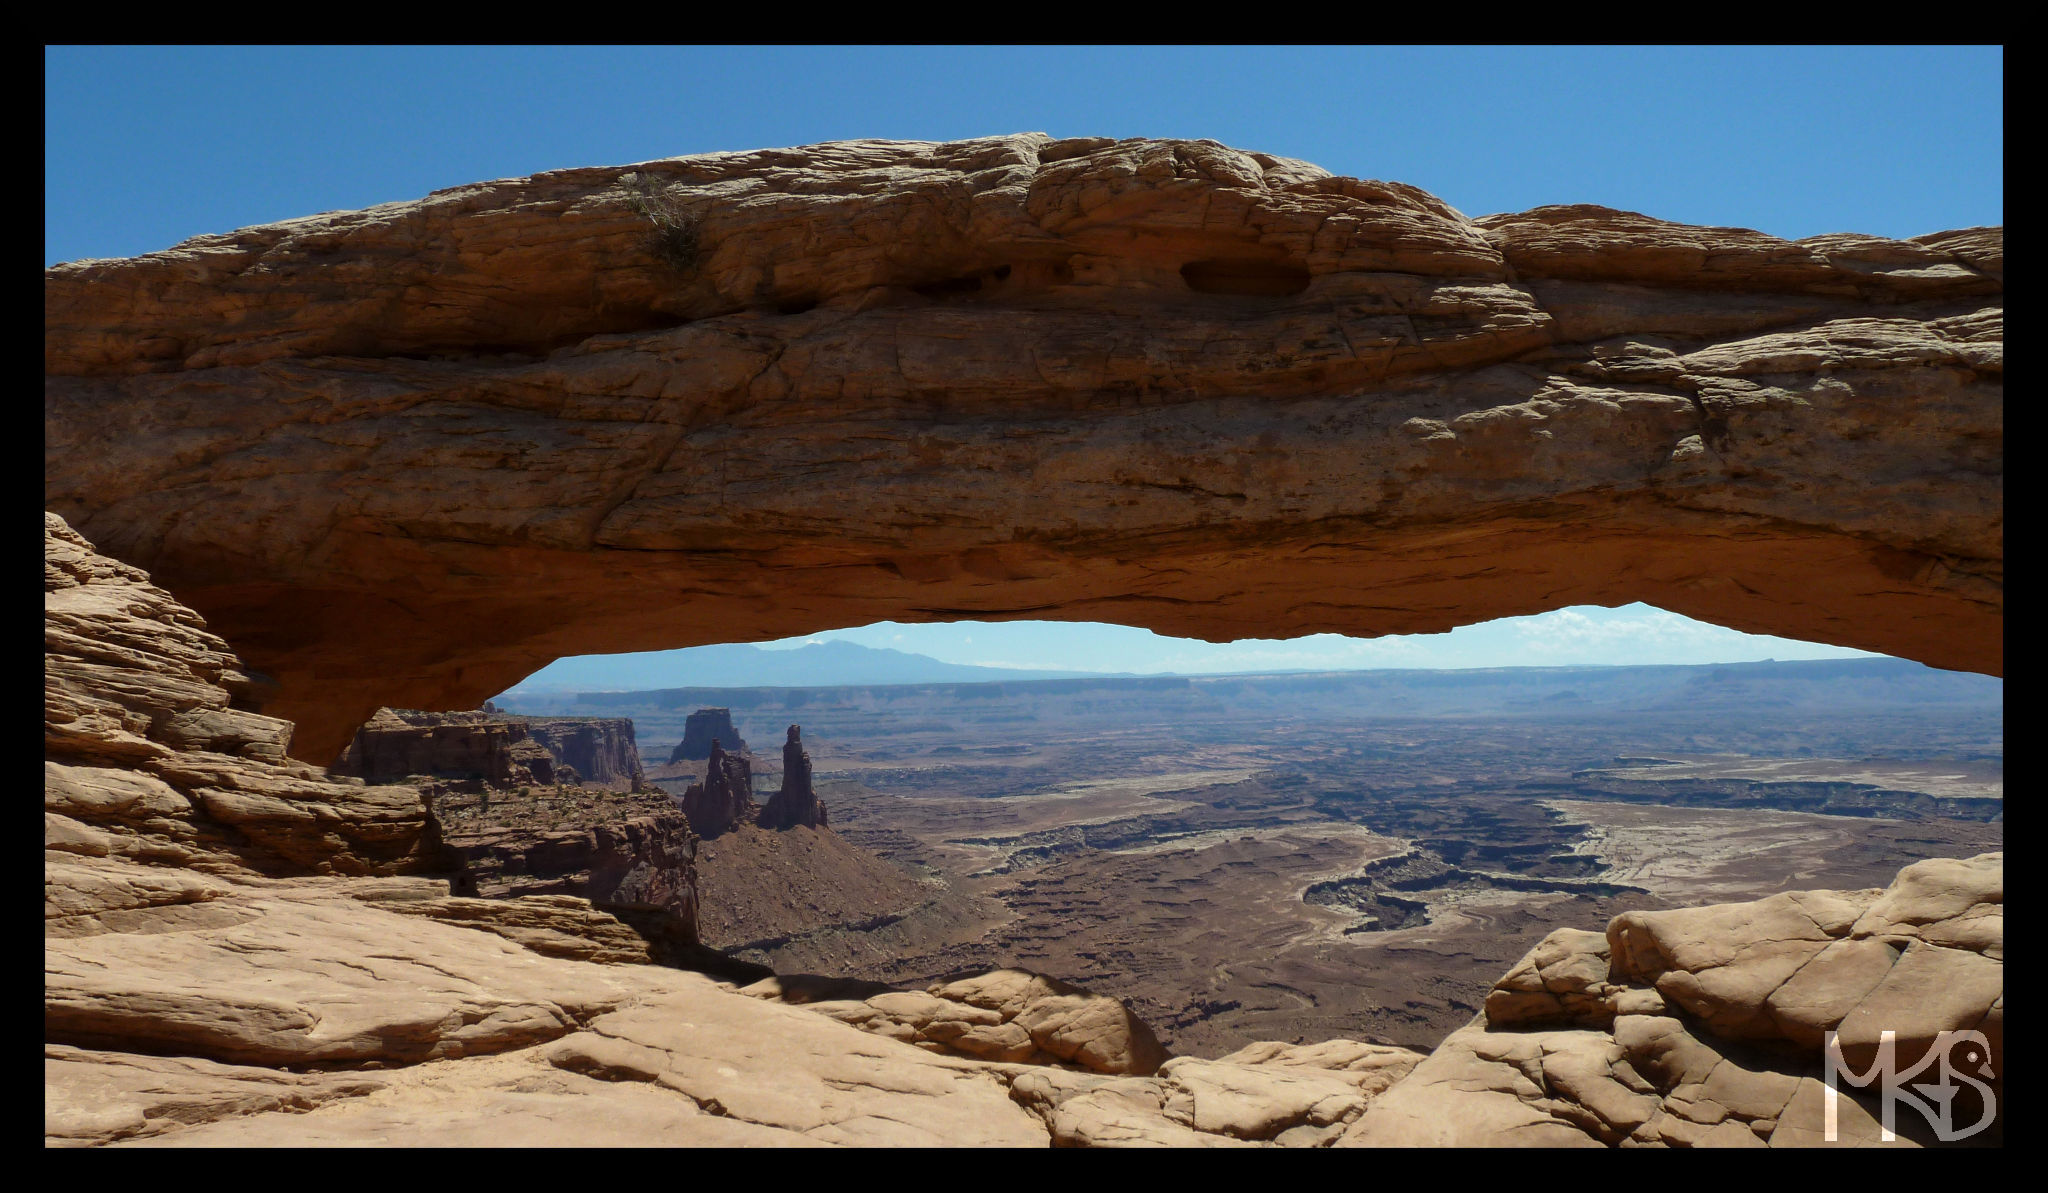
(154, 772)
(601, 750)
(705, 729)
(402, 743)
(1105, 1081)
(500, 750)
(1171, 384)
(629, 854)
(1705, 1026)
(796, 803)
(725, 797)
(162, 802)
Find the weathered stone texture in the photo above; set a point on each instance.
(405, 743)
(725, 797)
(147, 759)
(160, 800)
(1008, 1015)
(601, 750)
(501, 750)
(404, 456)
(1704, 1027)
(622, 852)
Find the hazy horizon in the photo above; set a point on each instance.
(1581, 636)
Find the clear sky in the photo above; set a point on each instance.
(144, 147)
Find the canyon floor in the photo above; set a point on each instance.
(1300, 859)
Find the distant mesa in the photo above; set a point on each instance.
(706, 728)
(796, 803)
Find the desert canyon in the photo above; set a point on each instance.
(315, 490)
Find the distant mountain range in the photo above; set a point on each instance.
(820, 665)
(705, 670)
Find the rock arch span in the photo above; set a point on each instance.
(407, 455)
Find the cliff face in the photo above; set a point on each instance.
(705, 728)
(631, 854)
(151, 773)
(796, 803)
(600, 750)
(400, 743)
(159, 796)
(1165, 383)
(503, 751)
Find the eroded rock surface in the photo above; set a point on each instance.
(1705, 1026)
(601, 750)
(1005, 1015)
(496, 748)
(161, 800)
(152, 774)
(1163, 383)
(629, 853)
(472, 1039)
(400, 743)
(725, 797)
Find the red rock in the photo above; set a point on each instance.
(796, 803)
(1165, 383)
(724, 798)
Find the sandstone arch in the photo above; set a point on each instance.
(407, 455)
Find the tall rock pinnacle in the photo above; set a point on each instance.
(796, 803)
(724, 798)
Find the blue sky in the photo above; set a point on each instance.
(144, 147)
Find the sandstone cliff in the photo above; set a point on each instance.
(149, 762)
(629, 854)
(706, 727)
(1164, 383)
(400, 743)
(600, 749)
(501, 750)
(161, 800)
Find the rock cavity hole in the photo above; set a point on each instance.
(1262, 278)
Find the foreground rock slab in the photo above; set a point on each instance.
(1703, 1027)
(1009, 1015)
